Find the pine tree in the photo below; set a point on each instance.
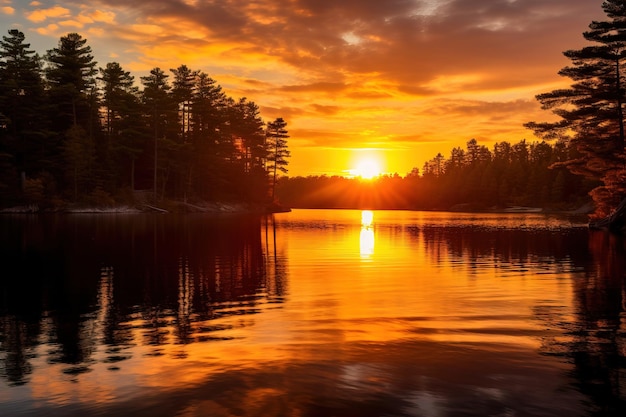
(277, 135)
(209, 118)
(182, 93)
(250, 131)
(122, 121)
(22, 107)
(71, 75)
(161, 109)
(591, 110)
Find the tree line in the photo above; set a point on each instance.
(71, 131)
(470, 178)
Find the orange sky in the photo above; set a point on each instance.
(396, 80)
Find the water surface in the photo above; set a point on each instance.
(311, 313)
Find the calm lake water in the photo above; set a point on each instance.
(311, 313)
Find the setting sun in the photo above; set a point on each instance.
(367, 169)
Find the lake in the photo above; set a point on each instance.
(311, 313)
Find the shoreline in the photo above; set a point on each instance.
(179, 207)
(168, 208)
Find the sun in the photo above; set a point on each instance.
(367, 169)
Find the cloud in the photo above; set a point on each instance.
(286, 112)
(326, 110)
(101, 16)
(41, 15)
(474, 108)
(409, 43)
(51, 29)
(326, 87)
(8, 10)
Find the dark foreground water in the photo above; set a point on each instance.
(311, 313)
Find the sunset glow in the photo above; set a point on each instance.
(367, 168)
(408, 78)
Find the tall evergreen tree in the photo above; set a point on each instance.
(592, 108)
(118, 88)
(255, 152)
(123, 123)
(22, 104)
(182, 93)
(209, 119)
(277, 135)
(162, 113)
(208, 108)
(250, 131)
(71, 75)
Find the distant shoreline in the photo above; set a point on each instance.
(177, 207)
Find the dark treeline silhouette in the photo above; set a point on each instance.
(73, 131)
(474, 178)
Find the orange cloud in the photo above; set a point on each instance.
(8, 10)
(41, 15)
(51, 29)
(102, 16)
(72, 23)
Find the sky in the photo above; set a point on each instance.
(395, 81)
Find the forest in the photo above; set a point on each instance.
(474, 178)
(75, 133)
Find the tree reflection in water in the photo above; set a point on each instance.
(599, 347)
(82, 283)
(595, 339)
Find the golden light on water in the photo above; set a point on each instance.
(367, 218)
(366, 239)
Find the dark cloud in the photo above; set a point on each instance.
(286, 112)
(481, 108)
(326, 110)
(326, 87)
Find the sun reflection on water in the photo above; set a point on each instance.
(366, 245)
